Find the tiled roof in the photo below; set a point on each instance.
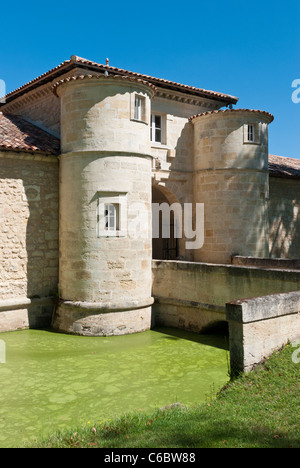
(18, 134)
(102, 77)
(159, 81)
(280, 166)
(228, 111)
(78, 62)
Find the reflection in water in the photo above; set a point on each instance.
(52, 381)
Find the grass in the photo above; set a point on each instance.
(257, 410)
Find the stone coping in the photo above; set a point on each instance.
(242, 269)
(268, 263)
(262, 308)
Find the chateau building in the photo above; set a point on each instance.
(89, 153)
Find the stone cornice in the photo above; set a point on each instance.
(28, 99)
(68, 66)
(27, 155)
(186, 99)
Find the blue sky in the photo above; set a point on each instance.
(249, 49)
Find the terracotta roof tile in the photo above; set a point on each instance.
(102, 77)
(159, 81)
(228, 111)
(280, 166)
(18, 134)
(79, 62)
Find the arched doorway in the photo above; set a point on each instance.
(164, 248)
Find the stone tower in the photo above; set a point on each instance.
(105, 206)
(231, 178)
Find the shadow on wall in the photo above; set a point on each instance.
(164, 248)
(29, 234)
(284, 214)
(175, 186)
(258, 215)
(215, 335)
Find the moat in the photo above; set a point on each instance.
(52, 381)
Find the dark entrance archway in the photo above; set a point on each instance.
(164, 248)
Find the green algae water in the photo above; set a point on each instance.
(52, 381)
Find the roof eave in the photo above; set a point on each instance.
(77, 62)
(284, 176)
(29, 151)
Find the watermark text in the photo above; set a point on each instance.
(296, 92)
(2, 92)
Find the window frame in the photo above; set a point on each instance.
(252, 130)
(118, 200)
(162, 128)
(251, 133)
(111, 214)
(138, 107)
(139, 114)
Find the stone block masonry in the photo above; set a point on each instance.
(284, 215)
(194, 296)
(258, 326)
(105, 267)
(28, 234)
(231, 179)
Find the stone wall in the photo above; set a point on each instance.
(173, 159)
(193, 296)
(40, 107)
(231, 180)
(28, 233)
(284, 217)
(261, 325)
(105, 271)
(273, 263)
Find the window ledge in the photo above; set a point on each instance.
(112, 234)
(159, 145)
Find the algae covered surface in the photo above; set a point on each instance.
(52, 381)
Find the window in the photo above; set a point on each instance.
(157, 128)
(112, 214)
(252, 133)
(138, 107)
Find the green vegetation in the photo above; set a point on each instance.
(260, 409)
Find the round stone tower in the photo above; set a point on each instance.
(105, 206)
(231, 179)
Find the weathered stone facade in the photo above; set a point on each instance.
(284, 217)
(28, 230)
(232, 180)
(75, 201)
